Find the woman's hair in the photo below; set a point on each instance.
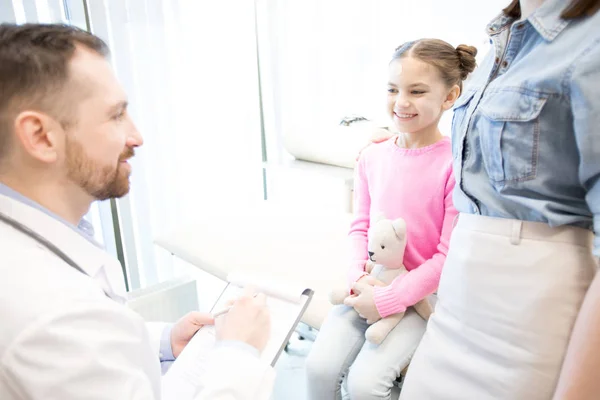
(577, 9)
(455, 64)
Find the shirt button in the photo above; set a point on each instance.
(520, 26)
(505, 64)
(497, 60)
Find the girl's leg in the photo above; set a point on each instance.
(338, 342)
(376, 367)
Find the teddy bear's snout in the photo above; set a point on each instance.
(371, 254)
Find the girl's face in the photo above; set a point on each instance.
(417, 95)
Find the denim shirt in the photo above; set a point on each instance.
(526, 130)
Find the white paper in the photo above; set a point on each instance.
(185, 377)
(283, 319)
(265, 284)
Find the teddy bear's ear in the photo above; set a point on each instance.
(399, 227)
(376, 217)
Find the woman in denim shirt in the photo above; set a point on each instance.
(523, 256)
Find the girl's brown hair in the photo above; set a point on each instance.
(577, 9)
(455, 64)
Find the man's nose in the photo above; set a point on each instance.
(135, 138)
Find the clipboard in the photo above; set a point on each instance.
(287, 302)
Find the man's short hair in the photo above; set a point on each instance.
(34, 70)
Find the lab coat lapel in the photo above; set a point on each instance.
(104, 269)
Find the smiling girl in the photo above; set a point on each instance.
(408, 176)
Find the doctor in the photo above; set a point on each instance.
(65, 141)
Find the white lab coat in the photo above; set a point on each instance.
(62, 338)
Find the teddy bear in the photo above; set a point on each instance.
(386, 245)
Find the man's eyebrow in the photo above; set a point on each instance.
(392, 84)
(120, 106)
(419, 84)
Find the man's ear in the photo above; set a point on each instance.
(451, 98)
(39, 135)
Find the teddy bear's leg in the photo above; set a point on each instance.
(424, 308)
(377, 332)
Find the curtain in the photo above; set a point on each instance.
(190, 70)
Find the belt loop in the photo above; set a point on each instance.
(515, 234)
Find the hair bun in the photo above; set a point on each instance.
(466, 57)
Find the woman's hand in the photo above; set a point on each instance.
(380, 135)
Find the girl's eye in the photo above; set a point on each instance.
(416, 92)
(392, 90)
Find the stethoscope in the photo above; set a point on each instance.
(41, 240)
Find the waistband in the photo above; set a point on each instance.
(516, 230)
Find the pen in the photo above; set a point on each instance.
(225, 310)
(221, 312)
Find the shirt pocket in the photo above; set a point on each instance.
(510, 135)
(460, 119)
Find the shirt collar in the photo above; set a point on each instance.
(545, 19)
(84, 228)
(84, 253)
(498, 24)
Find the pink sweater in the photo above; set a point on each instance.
(415, 184)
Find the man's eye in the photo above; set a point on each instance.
(119, 116)
(392, 90)
(417, 92)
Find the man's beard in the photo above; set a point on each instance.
(102, 182)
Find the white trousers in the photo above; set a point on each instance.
(508, 299)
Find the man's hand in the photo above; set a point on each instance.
(248, 321)
(186, 328)
(364, 302)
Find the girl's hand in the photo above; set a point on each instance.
(371, 281)
(364, 302)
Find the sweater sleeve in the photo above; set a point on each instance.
(360, 224)
(422, 281)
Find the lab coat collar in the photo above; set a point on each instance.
(84, 228)
(89, 257)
